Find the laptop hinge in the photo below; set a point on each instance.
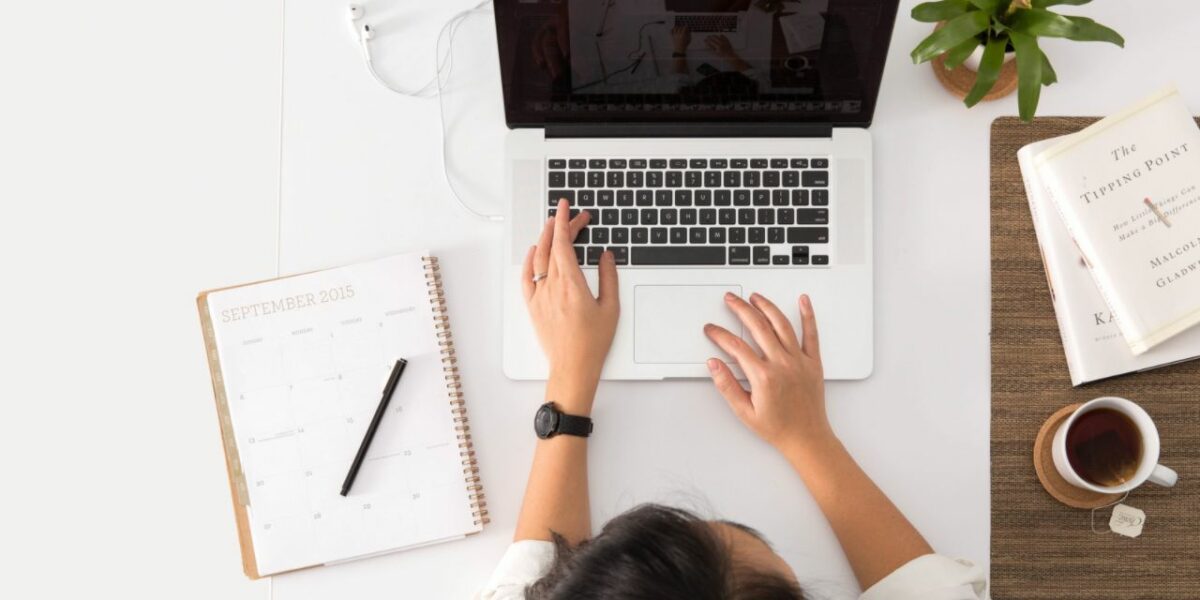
(689, 130)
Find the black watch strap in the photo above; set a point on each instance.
(573, 425)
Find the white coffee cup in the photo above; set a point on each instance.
(1148, 468)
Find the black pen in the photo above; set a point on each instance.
(388, 390)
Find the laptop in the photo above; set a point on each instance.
(705, 171)
(706, 18)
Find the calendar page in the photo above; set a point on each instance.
(304, 362)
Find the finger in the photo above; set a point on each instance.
(734, 346)
(711, 42)
(580, 221)
(736, 395)
(608, 295)
(808, 323)
(527, 284)
(760, 328)
(779, 322)
(564, 41)
(541, 258)
(562, 256)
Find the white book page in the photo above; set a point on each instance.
(304, 361)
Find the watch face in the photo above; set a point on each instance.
(545, 421)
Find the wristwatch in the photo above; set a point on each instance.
(549, 422)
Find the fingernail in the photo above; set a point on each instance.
(729, 297)
(712, 365)
(805, 304)
(708, 327)
(754, 297)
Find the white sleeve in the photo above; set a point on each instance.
(931, 577)
(523, 563)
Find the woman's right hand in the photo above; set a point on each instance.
(786, 402)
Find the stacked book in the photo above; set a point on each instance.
(1116, 208)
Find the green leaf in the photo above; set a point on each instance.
(1029, 73)
(956, 31)
(932, 12)
(990, 6)
(1049, 77)
(989, 71)
(1043, 23)
(1045, 3)
(956, 55)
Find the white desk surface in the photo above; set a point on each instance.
(142, 150)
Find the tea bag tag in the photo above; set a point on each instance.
(1127, 520)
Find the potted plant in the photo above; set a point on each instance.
(994, 29)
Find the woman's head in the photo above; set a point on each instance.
(657, 552)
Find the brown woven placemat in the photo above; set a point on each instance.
(1042, 549)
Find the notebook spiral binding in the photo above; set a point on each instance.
(458, 408)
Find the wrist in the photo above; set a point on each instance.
(803, 451)
(572, 394)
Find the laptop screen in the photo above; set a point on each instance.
(680, 61)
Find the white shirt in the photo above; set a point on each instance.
(929, 577)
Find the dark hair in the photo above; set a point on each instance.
(656, 552)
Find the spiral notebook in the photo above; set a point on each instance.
(298, 364)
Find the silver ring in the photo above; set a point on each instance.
(540, 276)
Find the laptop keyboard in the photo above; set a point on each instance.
(697, 211)
(708, 23)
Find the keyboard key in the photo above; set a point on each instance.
(595, 179)
(758, 163)
(807, 235)
(815, 178)
(727, 216)
(766, 216)
(799, 259)
(737, 235)
(558, 179)
(669, 216)
(799, 163)
(629, 216)
(785, 216)
(649, 217)
(712, 179)
(741, 197)
(718, 163)
(799, 197)
(751, 179)
(745, 216)
(594, 213)
(775, 235)
(820, 197)
(674, 179)
(616, 163)
(620, 254)
(577, 163)
(663, 198)
(762, 255)
(704, 197)
(645, 198)
(679, 235)
(599, 234)
(635, 179)
(820, 259)
(733, 179)
(576, 179)
(658, 235)
(640, 235)
(688, 216)
(658, 163)
(654, 179)
(698, 163)
(624, 197)
(779, 197)
(557, 195)
(716, 235)
(677, 255)
(683, 197)
(637, 163)
(820, 163)
(678, 163)
(812, 216)
(610, 216)
(779, 163)
(739, 255)
(770, 178)
(693, 179)
(780, 260)
(558, 163)
(616, 179)
(762, 197)
(791, 179)
(722, 198)
(605, 198)
(587, 198)
(597, 163)
(593, 255)
(620, 235)
(708, 216)
(697, 235)
(758, 235)
(738, 163)
(579, 258)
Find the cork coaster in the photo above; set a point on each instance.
(1043, 463)
(960, 79)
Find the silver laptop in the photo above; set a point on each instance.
(705, 172)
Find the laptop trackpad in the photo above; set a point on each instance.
(669, 320)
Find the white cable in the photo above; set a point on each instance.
(443, 67)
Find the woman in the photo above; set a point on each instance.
(659, 552)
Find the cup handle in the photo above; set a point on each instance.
(1163, 476)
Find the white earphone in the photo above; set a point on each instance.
(364, 34)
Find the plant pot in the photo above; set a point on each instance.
(961, 79)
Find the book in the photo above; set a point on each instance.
(1094, 346)
(1128, 190)
(297, 365)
